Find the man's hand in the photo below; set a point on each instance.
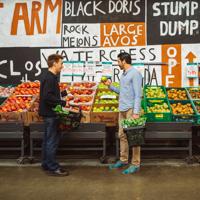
(135, 116)
(108, 82)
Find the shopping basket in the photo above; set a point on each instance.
(135, 135)
(71, 121)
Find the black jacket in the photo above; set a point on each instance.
(50, 95)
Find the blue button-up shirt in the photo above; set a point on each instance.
(130, 91)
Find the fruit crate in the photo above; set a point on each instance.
(27, 88)
(181, 107)
(177, 94)
(81, 92)
(159, 116)
(105, 91)
(6, 90)
(82, 100)
(193, 92)
(196, 104)
(32, 114)
(109, 117)
(106, 96)
(15, 108)
(156, 95)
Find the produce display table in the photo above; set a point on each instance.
(10, 131)
(90, 131)
(166, 131)
(170, 112)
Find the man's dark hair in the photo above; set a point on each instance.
(53, 58)
(125, 56)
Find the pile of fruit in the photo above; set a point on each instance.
(6, 91)
(182, 109)
(86, 108)
(28, 88)
(16, 104)
(81, 100)
(177, 94)
(194, 92)
(155, 92)
(76, 92)
(64, 86)
(106, 101)
(158, 108)
(26, 91)
(29, 85)
(105, 108)
(101, 93)
(84, 85)
(81, 95)
(102, 86)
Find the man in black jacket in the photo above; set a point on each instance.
(50, 97)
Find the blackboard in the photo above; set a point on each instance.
(173, 22)
(100, 11)
(17, 64)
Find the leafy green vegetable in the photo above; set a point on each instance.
(59, 110)
(127, 123)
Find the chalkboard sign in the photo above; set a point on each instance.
(98, 11)
(173, 22)
(19, 64)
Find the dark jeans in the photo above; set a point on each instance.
(50, 144)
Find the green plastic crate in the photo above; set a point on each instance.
(195, 103)
(191, 95)
(184, 117)
(157, 116)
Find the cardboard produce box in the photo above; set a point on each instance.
(105, 113)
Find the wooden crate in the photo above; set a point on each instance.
(109, 118)
(13, 116)
(86, 117)
(33, 117)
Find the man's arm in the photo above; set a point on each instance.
(111, 87)
(114, 89)
(137, 87)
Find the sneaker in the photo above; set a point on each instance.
(117, 165)
(59, 172)
(131, 170)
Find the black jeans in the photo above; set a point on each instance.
(51, 140)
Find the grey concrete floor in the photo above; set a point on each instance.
(99, 183)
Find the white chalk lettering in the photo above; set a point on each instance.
(175, 8)
(124, 6)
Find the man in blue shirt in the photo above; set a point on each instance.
(130, 93)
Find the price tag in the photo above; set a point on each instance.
(107, 69)
(192, 70)
(78, 68)
(90, 68)
(67, 70)
(108, 97)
